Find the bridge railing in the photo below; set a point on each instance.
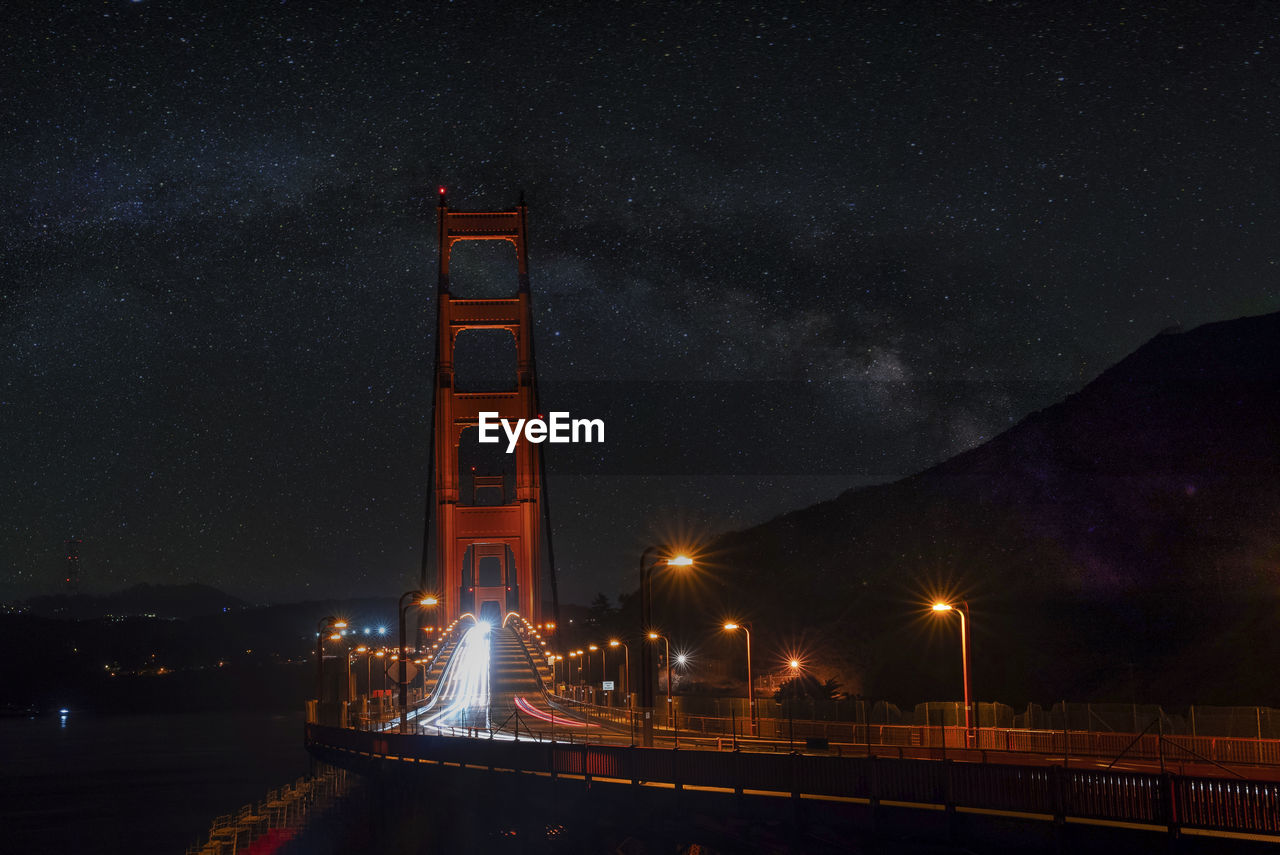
(1038, 792)
(1083, 743)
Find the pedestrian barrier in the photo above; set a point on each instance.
(1144, 801)
(1103, 745)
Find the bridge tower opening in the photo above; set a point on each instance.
(489, 509)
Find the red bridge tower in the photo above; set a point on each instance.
(487, 555)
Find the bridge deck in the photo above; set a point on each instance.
(490, 681)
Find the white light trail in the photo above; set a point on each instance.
(464, 698)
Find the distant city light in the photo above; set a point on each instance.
(382, 630)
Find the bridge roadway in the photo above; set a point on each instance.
(493, 684)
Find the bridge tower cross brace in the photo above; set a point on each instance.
(509, 532)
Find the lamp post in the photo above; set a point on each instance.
(626, 667)
(591, 648)
(326, 624)
(666, 642)
(671, 709)
(626, 684)
(351, 675)
(794, 665)
(346, 689)
(963, 610)
(368, 668)
(646, 621)
(751, 693)
(604, 673)
(382, 654)
(420, 598)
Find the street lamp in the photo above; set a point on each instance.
(351, 661)
(591, 648)
(666, 642)
(604, 672)
(626, 667)
(382, 654)
(568, 672)
(368, 670)
(751, 694)
(420, 598)
(671, 709)
(794, 665)
(963, 610)
(326, 624)
(646, 621)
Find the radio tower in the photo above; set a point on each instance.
(73, 565)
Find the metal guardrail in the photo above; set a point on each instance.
(1173, 749)
(1164, 801)
(1075, 743)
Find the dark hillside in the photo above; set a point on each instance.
(1125, 541)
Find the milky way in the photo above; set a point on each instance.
(781, 251)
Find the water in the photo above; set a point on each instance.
(136, 783)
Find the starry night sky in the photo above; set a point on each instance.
(782, 250)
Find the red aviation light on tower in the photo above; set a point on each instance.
(443, 190)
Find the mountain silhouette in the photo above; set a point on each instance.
(1123, 544)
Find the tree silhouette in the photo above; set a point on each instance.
(807, 686)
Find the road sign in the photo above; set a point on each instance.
(607, 685)
(410, 671)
